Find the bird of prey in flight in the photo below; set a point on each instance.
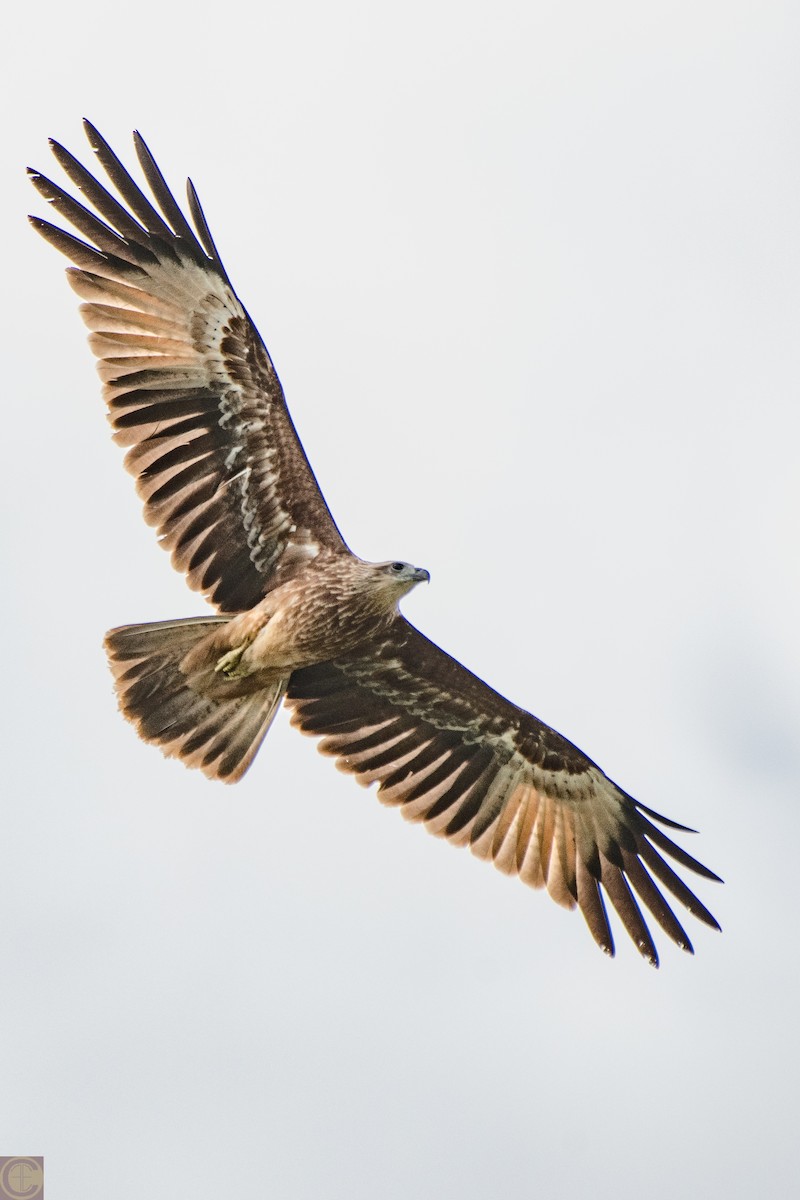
(193, 396)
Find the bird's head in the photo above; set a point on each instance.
(405, 574)
(395, 579)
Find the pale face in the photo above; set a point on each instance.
(397, 577)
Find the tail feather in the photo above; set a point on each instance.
(218, 736)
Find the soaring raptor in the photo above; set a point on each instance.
(193, 396)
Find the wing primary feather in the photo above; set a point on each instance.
(164, 197)
(103, 236)
(204, 233)
(655, 902)
(152, 220)
(628, 910)
(590, 902)
(674, 851)
(543, 830)
(659, 816)
(565, 846)
(529, 860)
(84, 256)
(505, 830)
(664, 872)
(492, 810)
(134, 296)
(586, 840)
(114, 212)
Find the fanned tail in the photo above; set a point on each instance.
(218, 736)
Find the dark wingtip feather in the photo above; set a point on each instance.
(61, 154)
(665, 874)
(97, 142)
(204, 233)
(662, 820)
(161, 192)
(677, 852)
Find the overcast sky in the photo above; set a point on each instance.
(530, 275)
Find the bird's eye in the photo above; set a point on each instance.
(398, 566)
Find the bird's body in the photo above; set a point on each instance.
(193, 396)
(329, 607)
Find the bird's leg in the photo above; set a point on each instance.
(240, 635)
(228, 664)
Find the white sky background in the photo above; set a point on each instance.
(530, 275)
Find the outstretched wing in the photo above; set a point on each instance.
(189, 384)
(484, 773)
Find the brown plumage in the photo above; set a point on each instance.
(193, 395)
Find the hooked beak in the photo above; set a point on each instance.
(421, 575)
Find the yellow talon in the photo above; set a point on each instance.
(229, 663)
